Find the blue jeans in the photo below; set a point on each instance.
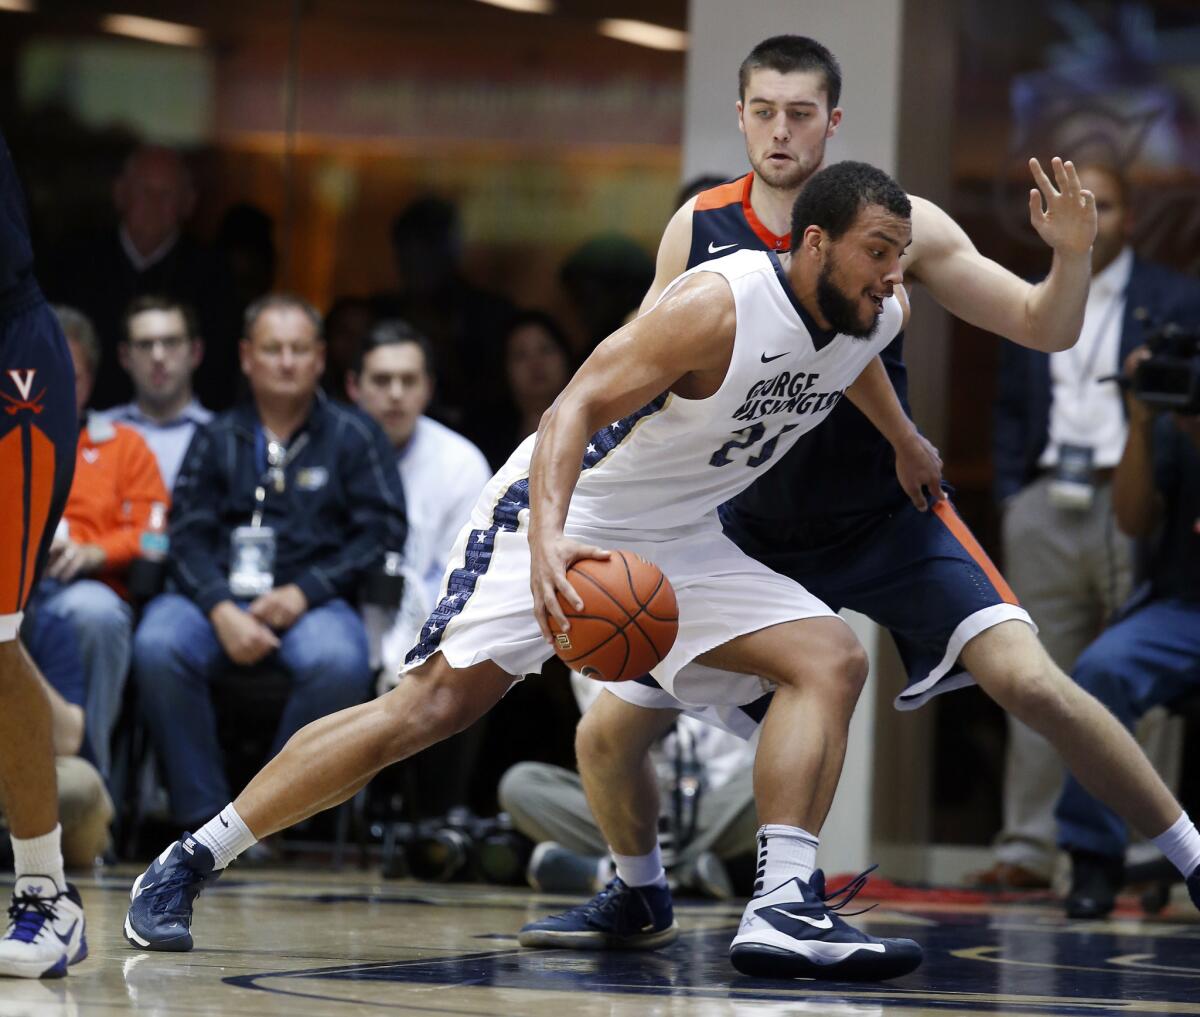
(103, 625)
(1148, 659)
(176, 655)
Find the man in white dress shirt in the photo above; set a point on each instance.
(1059, 433)
(442, 473)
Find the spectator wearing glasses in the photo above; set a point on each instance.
(281, 507)
(160, 351)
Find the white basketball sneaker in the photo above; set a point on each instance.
(45, 930)
(793, 932)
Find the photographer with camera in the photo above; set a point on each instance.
(1058, 435)
(1151, 655)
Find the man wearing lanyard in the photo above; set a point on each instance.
(281, 506)
(1058, 436)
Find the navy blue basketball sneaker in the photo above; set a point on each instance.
(1193, 885)
(794, 932)
(619, 917)
(160, 915)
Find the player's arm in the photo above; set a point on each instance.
(672, 253)
(688, 334)
(1046, 316)
(918, 464)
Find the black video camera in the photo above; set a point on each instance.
(1169, 379)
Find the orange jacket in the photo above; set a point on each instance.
(116, 483)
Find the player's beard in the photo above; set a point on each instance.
(841, 311)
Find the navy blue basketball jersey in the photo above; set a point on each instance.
(16, 253)
(839, 470)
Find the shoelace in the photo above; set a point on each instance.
(606, 900)
(847, 893)
(29, 914)
(171, 897)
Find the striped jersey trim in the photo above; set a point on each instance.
(477, 555)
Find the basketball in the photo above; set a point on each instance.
(628, 622)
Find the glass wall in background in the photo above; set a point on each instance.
(329, 118)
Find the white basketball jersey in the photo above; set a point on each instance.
(675, 460)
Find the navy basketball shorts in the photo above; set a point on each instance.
(38, 436)
(920, 575)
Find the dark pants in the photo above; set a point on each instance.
(176, 656)
(1149, 659)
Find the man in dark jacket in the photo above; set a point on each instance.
(281, 505)
(1058, 436)
(148, 251)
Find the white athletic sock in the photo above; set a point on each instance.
(40, 856)
(1181, 844)
(641, 870)
(226, 836)
(783, 852)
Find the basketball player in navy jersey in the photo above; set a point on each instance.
(833, 517)
(38, 431)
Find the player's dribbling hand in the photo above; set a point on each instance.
(549, 558)
(919, 466)
(1064, 216)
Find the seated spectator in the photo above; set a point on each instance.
(147, 251)
(443, 473)
(115, 492)
(159, 351)
(537, 366)
(84, 806)
(705, 778)
(281, 507)
(1151, 656)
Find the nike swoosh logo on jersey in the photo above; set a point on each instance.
(766, 360)
(714, 249)
(824, 922)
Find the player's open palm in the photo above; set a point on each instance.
(549, 558)
(1062, 211)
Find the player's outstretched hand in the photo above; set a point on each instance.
(919, 469)
(549, 558)
(1063, 215)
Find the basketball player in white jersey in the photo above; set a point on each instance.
(669, 417)
(830, 517)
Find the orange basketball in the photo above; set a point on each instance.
(629, 619)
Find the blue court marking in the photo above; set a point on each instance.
(1033, 967)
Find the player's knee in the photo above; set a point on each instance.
(597, 744)
(1037, 696)
(836, 672)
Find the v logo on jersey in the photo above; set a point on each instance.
(22, 378)
(824, 922)
(715, 249)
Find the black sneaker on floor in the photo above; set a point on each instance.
(619, 917)
(1193, 885)
(1095, 882)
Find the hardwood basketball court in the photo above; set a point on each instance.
(310, 944)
